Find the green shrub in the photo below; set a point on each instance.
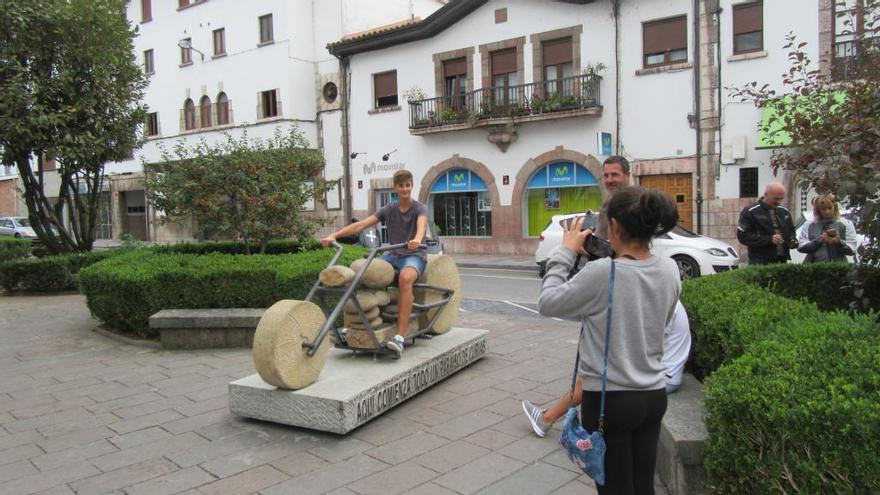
(799, 413)
(234, 247)
(829, 285)
(12, 248)
(125, 290)
(48, 274)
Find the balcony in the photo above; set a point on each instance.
(847, 54)
(561, 98)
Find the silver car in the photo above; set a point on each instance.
(16, 227)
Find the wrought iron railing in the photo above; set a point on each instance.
(847, 54)
(569, 93)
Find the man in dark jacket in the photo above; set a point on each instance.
(766, 228)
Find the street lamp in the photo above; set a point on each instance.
(187, 45)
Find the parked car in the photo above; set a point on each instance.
(695, 254)
(17, 227)
(807, 217)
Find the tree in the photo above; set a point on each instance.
(832, 123)
(248, 190)
(69, 90)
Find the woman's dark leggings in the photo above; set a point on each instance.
(632, 427)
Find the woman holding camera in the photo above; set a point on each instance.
(824, 239)
(645, 293)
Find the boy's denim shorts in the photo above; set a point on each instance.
(400, 262)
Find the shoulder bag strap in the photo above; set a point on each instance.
(577, 359)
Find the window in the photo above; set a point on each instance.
(748, 27)
(385, 89)
(219, 42)
(504, 76)
(152, 125)
(149, 68)
(186, 53)
(557, 59)
(222, 109)
(146, 10)
(855, 34)
(189, 115)
(665, 42)
(205, 111)
(748, 182)
(455, 81)
(269, 103)
(266, 28)
(186, 3)
(461, 205)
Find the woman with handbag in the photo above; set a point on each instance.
(624, 304)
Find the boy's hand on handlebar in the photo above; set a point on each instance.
(327, 240)
(413, 244)
(573, 237)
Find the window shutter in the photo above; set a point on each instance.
(504, 61)
(146, 10)
(385, 84)
(748, 18)
(456, 67)
(668, 34)
(556, 51)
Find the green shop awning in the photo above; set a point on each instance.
(771, 133)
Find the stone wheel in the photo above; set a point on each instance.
(441, 271)
(279, 356)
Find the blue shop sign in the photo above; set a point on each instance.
(458, 180)
(562, 174)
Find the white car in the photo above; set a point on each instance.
(19, 227)
(807, 217)
(695, 254)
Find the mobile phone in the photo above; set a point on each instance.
(831, 232)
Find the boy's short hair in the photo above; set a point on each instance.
(402, 176)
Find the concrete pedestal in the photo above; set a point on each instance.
(352, 390)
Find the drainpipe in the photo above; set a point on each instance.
(697, 119)
(615, 8)
(346, 136)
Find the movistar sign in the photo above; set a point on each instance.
(561, 174)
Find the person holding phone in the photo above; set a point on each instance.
(824, 239)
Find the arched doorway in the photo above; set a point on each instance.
(460, 204)
(558, 188)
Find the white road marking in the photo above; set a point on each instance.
(462, 310)
(525, 308)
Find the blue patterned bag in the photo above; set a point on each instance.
(587, 450)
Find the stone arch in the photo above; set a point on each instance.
(558, 154)
(458, 162)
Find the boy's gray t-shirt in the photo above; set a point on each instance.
(402, 226)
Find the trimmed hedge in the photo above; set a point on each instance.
(792, 393)
(48, 274)
(12, 248)
(233, 247)
(125, 290)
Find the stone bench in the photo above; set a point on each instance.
(206, 328)
(682, 441)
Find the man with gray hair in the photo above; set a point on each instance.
(766, 228)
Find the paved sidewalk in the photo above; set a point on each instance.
(81, 413)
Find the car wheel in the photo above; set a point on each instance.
(687, 267)
(17, 235)
(542, 269)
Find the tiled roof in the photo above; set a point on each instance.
(387, 28)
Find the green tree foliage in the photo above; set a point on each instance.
(69, 88)
(833, 123)
(250, 190)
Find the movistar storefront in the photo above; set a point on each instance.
(556, 189)
(460, 205)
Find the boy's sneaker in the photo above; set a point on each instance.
(343, 335)
(536, 417)
(395, 345)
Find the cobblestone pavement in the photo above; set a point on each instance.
(82, 413)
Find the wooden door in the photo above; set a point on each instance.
(680, 187)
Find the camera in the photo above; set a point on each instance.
(596, 247)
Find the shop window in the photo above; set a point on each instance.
(556, 189)
(664, 42)
(748, 27)
(461, 205)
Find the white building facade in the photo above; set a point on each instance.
(508, 122)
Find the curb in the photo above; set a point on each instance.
(126, 340)
(466, 264)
